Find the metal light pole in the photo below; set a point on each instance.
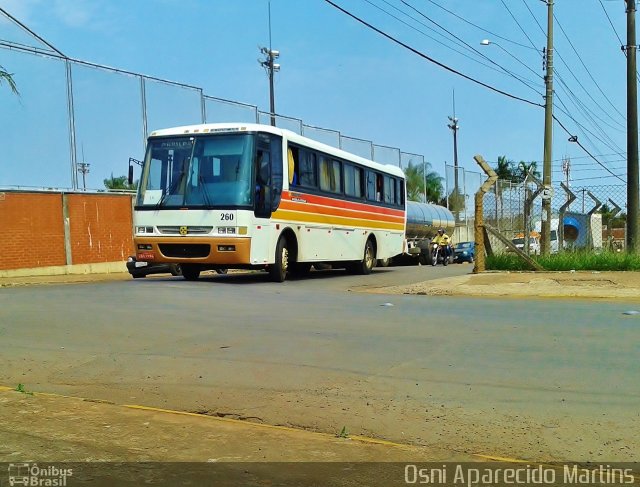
(548, 136)
(271, 67)
(633, 245)
(83, 168)
(455, 127)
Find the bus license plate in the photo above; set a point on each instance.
(146, 256)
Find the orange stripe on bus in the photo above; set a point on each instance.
(331, 211)
(306, 217)
(339, 203)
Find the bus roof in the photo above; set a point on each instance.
(288, 134)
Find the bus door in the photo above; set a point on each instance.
(268, 178)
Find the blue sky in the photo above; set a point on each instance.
(336, 73)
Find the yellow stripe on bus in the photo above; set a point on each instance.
(306, 217)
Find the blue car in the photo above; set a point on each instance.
(464, 252)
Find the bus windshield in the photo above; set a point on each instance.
(198, 171)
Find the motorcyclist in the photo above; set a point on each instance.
(444, 241)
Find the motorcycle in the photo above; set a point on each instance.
(439, 254)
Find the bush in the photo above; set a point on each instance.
(566, 261)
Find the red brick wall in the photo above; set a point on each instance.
(100, 227)
(32, 230)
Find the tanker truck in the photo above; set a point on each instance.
(423, 221)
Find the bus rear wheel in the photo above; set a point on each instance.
(278, 270)
(190, 272)
(365, 266)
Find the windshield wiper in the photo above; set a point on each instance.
(171, 189)
(205, 191)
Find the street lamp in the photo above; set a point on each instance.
(487, 42)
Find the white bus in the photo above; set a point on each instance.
(249, 196)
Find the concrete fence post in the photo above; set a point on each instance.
(479, 230)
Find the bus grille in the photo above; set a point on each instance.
(189, 251)
(196, 230)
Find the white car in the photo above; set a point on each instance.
(534, 244)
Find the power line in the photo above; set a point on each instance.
(518, 24)
(586, 68)
(568, 68)
(585, 149)
(466, 44)
(430, 59)
(452, 70)
(478, 27)
(611, 23)
(502, 70)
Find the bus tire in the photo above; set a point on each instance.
(278, 270)
(365, 266)
(190, 272)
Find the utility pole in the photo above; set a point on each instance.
(455, 127)
(632, 131)
(548, 135)
(271, 67)
(83, 168)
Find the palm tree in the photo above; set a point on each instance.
(120, 182)
(525, 168)
(415, 176)
(8, 78)
(505, 169)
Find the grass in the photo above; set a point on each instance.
(567, 261)
(20, 388)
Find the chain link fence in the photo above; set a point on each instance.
(77, 123)
(590, 218)
(460, 187)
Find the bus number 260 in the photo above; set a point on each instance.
(226, 216)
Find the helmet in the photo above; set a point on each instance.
(440, 230)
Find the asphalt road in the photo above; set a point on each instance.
(532, 379)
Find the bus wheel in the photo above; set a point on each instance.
(365, 266)
(190, 272)
(278, 271)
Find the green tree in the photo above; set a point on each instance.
(456, 202)
(416, 183)
(6, 77)
(120, 182)
(506, 169)
(525, 168)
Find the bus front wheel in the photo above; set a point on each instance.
(278, 270)
(190, 272)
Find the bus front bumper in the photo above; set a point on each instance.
(197, 250)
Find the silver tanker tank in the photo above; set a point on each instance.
(424, 219)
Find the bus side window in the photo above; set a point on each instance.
(389, 190)
(398, 192)
(308, 169)
(379, 187)
(371, 186)
(293, 159)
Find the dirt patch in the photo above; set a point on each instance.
(605, 285)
